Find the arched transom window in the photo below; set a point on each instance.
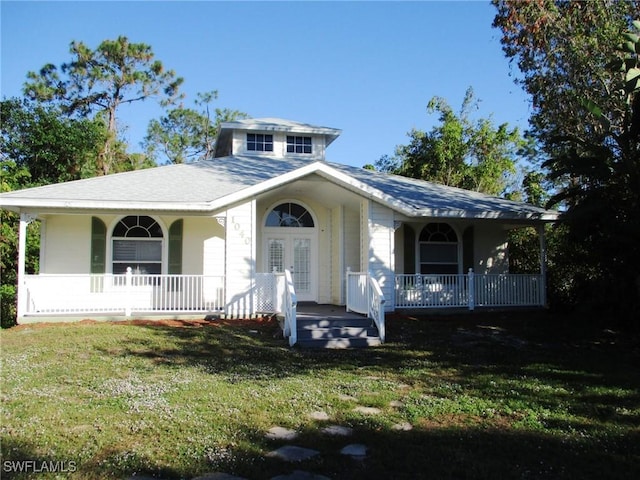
(438, 249)
(137, 243)
(289, 215)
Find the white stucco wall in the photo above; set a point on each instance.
(381, 249)
(490, 249)
(201, 241)
(241, 254)
(352, 241)
(337, 255)
(66, 244)
(279, 145)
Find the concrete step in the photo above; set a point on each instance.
(340, 343)
(337, 333)
(313, 323)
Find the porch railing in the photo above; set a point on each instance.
(50, 294)
(469, 290)
(365, 296)
(290, 304)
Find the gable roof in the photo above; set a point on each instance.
(212, 185)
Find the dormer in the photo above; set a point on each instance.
(275, 138)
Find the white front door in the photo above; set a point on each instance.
(296, 252)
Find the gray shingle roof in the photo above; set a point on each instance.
(206, 185)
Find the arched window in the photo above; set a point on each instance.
(438, 245)
(137, 243)
(289, 215)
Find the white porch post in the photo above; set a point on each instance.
(25, 219)
(543, 264)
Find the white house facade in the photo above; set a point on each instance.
(217, 236)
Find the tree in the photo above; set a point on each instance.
(38, 146)
(564, 51)
(100, 81)
(46, 145)
(459, 152)
(187, 134)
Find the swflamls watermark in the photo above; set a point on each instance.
(38, 466)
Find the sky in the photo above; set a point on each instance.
(368, 68)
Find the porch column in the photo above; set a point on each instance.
(543, 263)
(25, 219)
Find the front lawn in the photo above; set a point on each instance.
(484, 396)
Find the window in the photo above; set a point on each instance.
(137, 243)
(438, 244)
(289, 215)
(298, 144)
(259, 142)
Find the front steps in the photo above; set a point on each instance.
(352, 332)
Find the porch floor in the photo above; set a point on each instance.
(316, 311)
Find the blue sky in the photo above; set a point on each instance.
(368, 68)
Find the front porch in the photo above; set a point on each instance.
(135, 294)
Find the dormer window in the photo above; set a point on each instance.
(258, 142)
(298, 144)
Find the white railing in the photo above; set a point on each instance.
(49, 294)
(290, 303)
(357, 286)
(469, 291)
(268, 293)
(376, 306)
(509, 290)
(365, 296)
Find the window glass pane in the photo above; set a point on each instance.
(276, 255)
(120, 230)
(149, 251)
(138, 268)
(124, 250)
(438, 232)
(438, 269)
(302, 264)
(438, 253)
(137, 250)
(289, 215)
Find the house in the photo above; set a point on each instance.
(218, 236)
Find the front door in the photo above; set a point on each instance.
(294, 251)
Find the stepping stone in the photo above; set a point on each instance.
(367, 410)
(281, 433)
(347, 398)
(355, 450)
(402, 427)
(301, 475)
(396, 404)
(338, 431)
(291, 453)
(319, 415)
(216, 476)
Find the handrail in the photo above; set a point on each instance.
(290, 306)
(376, 306)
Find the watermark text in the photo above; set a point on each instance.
(39, 466)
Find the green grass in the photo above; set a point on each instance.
(488, 396)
